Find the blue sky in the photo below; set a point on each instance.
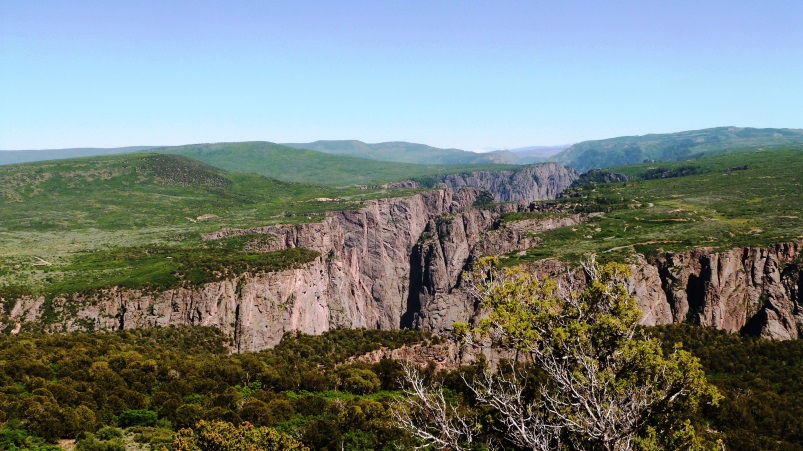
(466, 74)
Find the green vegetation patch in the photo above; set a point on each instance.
(532, 215)
(104, 384)
(761, 381)
(183, 171)
(158, 268)
(140, 386)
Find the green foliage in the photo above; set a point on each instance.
(531, 215)
(162, 268)
(220, 436)
(761, 382)
(137, 417)
(362, 381)
(108, 433)
(91, 442)
(186, 375)
(14, 438)
(599, 382)
(154, 381)
(668, 173)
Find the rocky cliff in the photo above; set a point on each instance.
(754, 290)
(538, 181)
(367, 274)
(398, 263)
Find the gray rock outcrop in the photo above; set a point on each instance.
(538, 181)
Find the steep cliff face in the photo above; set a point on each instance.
(755, 290)
(360, 280)
(539, 181)
(367, 275)
(447, 248)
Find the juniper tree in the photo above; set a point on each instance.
(582, 374)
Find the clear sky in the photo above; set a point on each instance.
(466, 74)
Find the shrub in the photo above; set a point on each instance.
(137, 418)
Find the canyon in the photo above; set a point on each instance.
(398, 263)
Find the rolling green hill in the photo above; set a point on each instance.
(675, 146)
(308, 166)
(28, 156)
(405, 152)
(722, 201)
(135, 220)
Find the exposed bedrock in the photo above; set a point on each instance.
(755, 290)
(535, 182)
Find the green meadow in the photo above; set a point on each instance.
(725, 201)
(136, 220)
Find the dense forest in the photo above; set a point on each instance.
(137, 388)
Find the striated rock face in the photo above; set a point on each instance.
(447, 247)
(755, 290)
(538, 181)
(361, 279)
(752, 289)
(367, 275)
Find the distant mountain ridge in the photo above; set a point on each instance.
(393, 151)
(539, 151)
(28, 156)
(582, 156)
(311, 166)
(402, 152)
(674, 146)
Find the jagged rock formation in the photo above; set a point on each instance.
(753, 289)
(538, 181)
(360, 280)
(599, 176)
(446, 248)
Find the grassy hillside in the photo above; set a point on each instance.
(721, 201)
(308, 166)
(405, 152)
(28, 156)
(135, 220)
(675, 146)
